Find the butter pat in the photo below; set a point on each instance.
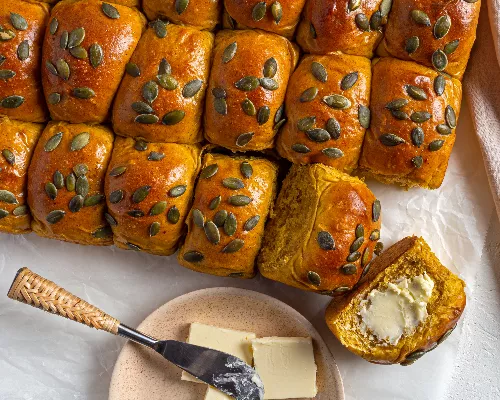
(236, 343)
(396, 311)
(214, 394)
(286, 367)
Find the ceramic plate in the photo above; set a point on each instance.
(142, 374)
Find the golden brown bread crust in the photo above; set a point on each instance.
(409, 257)
(248, 14)
(328, 26)
(21, 94)
(188, 51)
(17, 142)
(160, 227)
(232, 125)
(227, 257)
(463, 16)
(311, 240)
(340, 68)
(204, 14)
(84, 225)
(117, 37)
(399, 163)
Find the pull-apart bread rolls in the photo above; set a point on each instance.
(203, 14)
(161, 96)
(17, 142)
(22, 26)
(233, 197)
(66, 183)
(438, 34)
(350, 26)
(414, 115)
(149, 187)
(323, 231)
(280, 17)
(247, 86)
(327, 111)
(405, 306)
(87, 45)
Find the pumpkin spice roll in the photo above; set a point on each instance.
(414, 115)
(17, 142)
(149, 187)
(323, 231)
(350, 26)
(244, 105)
(22, 26)
(439, 35)
(327, 111)
(66, 183)
(233, 197)
(87, 45)
(161, 96)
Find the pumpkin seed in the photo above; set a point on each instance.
(167, 82)
(417, 136)
(337, 101)
(270, 67)
(93, 200)
(76, 37)
(309, 94)
(193, 256)
(348, 269)
(251, 223)
(269, 83)
(246, 169)
(219, 93)
(76, 203)
(367, 266)
(140, 145)
(181, 5)
(63, 69)
(80, 169)
(312, 30)
(215, 202)
(439, 60)
(3, 213)
(116, 196)
(70, 182)
(191, 88)
(417, 161)
(55, 216)
(147, 119)
(209, 171)
(9, 156)
(53, 142)
(359, 231)
(150, 91)
(18, 21)
(6, 74)
(136, 213)
(230, 224)
(376, 209)
(20, 211)
(173, 117)
(398, 114)
(96, 55)
(160, 28)
(247, 83)
(23, 50)
(54, 98)
(239, 200)
(396, 104)
(102, 233)
(450, 116)
(229, 52)
(54, 24)
(362, 22)
(220, 106)
(78, 52)
(446, 335)
(173, 215)
(357, 244)
(243, 139)
(354, 256)
(133, 247)
(364, 116)
(318, 135)
(366, 259)
(212, 232)
(306, 123)
(385, 7)
(63, 41)
(414, 356)
(333, 128)
(435, 145)
(164, 68)
(439, 84)
(376, 20)
(80, 141)
(263, 115)
(415, 92)
(277, 11)
(82, 185)
(259, 11)
(443, 129)
(450, 47)
(233, 246)
(248, 107)
(319, 71)
(300, 148)
(277, 127)
(133, 69)
(420, 116)
(353, 4)
(6, 34)
(349, 81)
(156, 156)
(420, 17)
(412, 44)
(333, 152)
(110, 11)
(158, 208)
(177, 191)
(58, 179)
(7, 197)
(83, 93)
(279, 113)
(51, 190)
(141, 193)
(154, 229)
(142, 108)
(233, 183)
(198, 218)
(325, 240)
(379, 247)
(390, 139)
(314, 278)
(13, 101)
(442, 27)
(375, 235)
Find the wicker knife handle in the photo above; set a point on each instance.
(41, 293)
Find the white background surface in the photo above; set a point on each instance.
(46, 357)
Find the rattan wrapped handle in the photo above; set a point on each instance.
(41, 293)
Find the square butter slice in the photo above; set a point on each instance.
(286, 367)
(236, 343)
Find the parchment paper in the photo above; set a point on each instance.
(45, 357)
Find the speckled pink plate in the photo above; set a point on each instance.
(141, 374)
